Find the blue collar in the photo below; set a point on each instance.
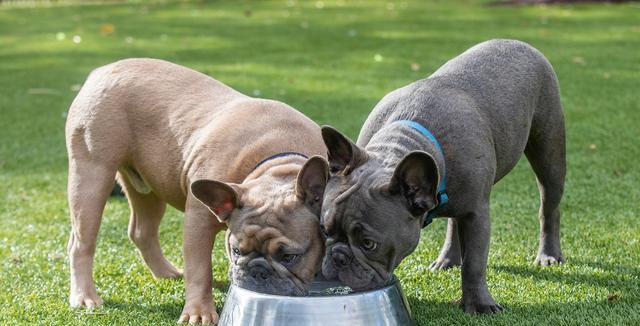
(441, 196)
(278, 156)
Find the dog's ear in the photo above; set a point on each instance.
(221, 198)
(416, 177)
(344, 155)
(312, 179)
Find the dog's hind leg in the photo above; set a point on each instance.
(450, 252)
(147, 211)
(546, 153)
(88, 188)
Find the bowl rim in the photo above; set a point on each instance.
(392, 283)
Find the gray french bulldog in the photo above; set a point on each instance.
(435, 148)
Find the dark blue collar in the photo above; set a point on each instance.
(272, 157)
(441, 196)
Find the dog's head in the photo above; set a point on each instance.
(372, 212)
(273, 239)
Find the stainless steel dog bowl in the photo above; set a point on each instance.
(324, 306)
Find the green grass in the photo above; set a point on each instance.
(322, 61)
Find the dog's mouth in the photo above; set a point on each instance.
(275, 287)
(357, 282)
(279, 283)
(357, 273)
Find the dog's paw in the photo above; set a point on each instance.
(443, 263)
(199, 314)
(483, 306)
(548, 260)
(478, 302)
(85, 300)
(168, 272)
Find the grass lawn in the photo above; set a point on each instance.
(333, 61)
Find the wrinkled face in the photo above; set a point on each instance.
(372, 211)
(273, 239)
(274, 245)
(369, 230)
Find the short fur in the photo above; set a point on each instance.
(158, 128)
(486, 107)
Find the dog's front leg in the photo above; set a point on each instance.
(474, 233)
(200, 228)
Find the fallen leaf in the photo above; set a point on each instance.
(579, 60)
(613, 297)
(56, 256)
(16, 259)
(415, 66)
(107, 29)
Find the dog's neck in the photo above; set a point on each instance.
(282, 167)
(395, 140)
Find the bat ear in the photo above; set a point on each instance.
(312, 179)
(344, 155)
(221, 198)
(416, 177)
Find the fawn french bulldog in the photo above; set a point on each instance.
(171, 135)
(436, 147)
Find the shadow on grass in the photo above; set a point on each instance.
(601, 312)
(621, 282)
(166, 311)
(615, 277)
(161, 311)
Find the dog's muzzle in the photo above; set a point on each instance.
(341, 256)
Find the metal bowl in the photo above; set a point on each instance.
(329, 303)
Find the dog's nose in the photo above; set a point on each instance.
(260, 273)
(259, 269)
(340, 260)
(340, 257)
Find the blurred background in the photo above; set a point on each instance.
(332, 60)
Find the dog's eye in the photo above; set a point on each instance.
(236, 251)
(289, 258)
(368, 245)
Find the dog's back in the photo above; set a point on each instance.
(133, 99)
(493, 92)
(152, 118)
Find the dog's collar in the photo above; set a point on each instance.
(441, 195)
(272, 157)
